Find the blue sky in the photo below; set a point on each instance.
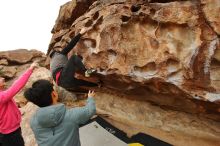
(26, 24)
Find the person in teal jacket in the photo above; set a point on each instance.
(53, 124)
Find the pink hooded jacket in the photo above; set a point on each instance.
(10, 116)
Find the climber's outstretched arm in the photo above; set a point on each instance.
(73, 42)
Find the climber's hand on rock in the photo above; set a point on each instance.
(83, 31)
(91, 93)
(34, 65)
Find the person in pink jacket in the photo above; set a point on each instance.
(10, 116)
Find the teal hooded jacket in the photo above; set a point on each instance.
(57, 126)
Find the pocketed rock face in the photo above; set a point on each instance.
(211, 9)
(70, 12)
(165, 52)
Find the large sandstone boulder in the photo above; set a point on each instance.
(166, 51)
(163, 53)
(14, 62)
(20, 56)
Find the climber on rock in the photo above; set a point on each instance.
(10, 116)
(53, 124)
(64, 70)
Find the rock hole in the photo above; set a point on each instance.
(125, 7)
(152, 11)
(72, 34)
(142, 14)
(151, 66)
(88, 23)
(90, 43)
(215, 61)
(135, 8)
(148, 69)
(154, 43)
(125, 18)
(95, 16)
(172, 65)
(101, 69)
(112, 52)
(166, 52)
(112, 55)
(99, 21)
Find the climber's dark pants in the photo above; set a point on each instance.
(12, 139)
(74, 64)
(1, 136)
(67, 79)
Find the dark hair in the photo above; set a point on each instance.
(52, 53)
(40, 93)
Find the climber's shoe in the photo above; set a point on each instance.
(88, 72)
